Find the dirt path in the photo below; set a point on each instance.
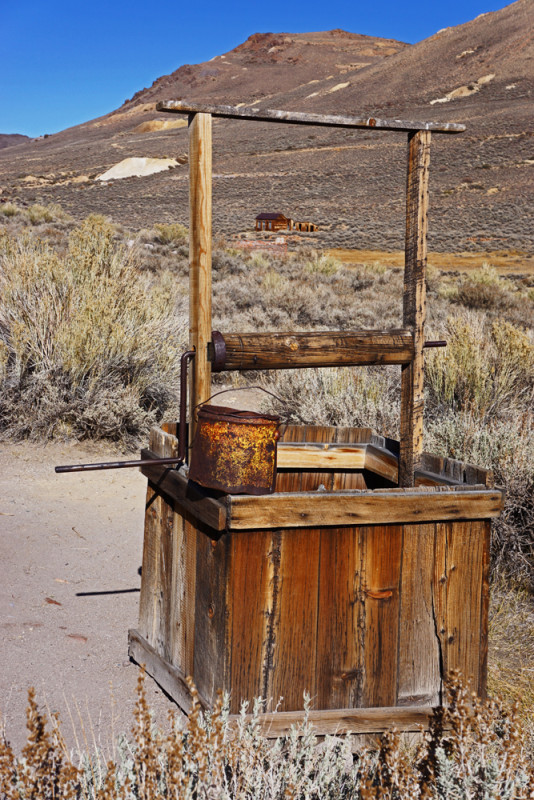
(70, 552)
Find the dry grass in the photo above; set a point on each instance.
(88, 347)
(472, 750)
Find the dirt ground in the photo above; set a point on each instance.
(70, 553)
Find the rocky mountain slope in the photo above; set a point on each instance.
(349, 182)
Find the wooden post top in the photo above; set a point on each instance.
(301, 118)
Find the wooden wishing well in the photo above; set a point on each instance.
(363, 580)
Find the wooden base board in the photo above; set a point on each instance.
(330, 722)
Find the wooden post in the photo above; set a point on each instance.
(414, 304)
(199, 257)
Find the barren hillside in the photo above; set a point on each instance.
(350, 182)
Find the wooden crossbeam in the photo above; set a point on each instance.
(301, 118)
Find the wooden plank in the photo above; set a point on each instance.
(288, 350)
(252, 602)
(300, 118)
(157, 546)
(484, 611)
(295, 619)
(189, 497)
(316, 456)
(183, 598)
(414, 305)
(211, 652)
(339, 651)
(350, 480)
(321, 509)
(200, 213)
(169, 677)
(290, 481)
(419, 678)
(459, 567)
(381, 462)
(344, 721)
(311, 480)
(380, 583)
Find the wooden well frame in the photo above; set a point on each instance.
(364, 578)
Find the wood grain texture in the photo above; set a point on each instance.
(183, 598)
(458, 596)
(380, 585)
(166, 675)
(252, 601)
(323, 509)
(346, 720)
(200, 300)
(189, 497)
(318, 349)
(349, 479)
(414, 305)
(211, 652)
(419, 675)
(302, 118)
(295, 624)
(157, 546)
(484, 606)
(311, 479)
(339, 646)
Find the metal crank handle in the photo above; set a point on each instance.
(147, 462)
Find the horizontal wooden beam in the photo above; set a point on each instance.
(189, 497)
(322, 509)
(166, 675)
(343, 721)
(301, 118)
(316, 455)
(317, 349)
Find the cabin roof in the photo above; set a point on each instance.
(271, 216)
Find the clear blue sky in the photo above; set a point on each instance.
(66, 61)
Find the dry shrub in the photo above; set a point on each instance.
(473, 749)
(88, 348)
(9, 209)
(172, 233)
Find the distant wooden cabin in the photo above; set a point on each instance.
(273, 222)
(279, 222)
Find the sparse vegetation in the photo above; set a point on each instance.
(88, 347)
(472, 750)
(173, 233)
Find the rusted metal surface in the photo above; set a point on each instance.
(235, 451)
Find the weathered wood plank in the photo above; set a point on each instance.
(339, 651)
(318, 349)
(347, 720)
(380, 580)
(294, 650)
(419, 678)
(200, 212)
(154, 614)
(289, 481)
(169, 677)
(211, 651)
(358, 508)
(350, 480)
(310, 456)
(458, 596)
(484, 611)
(182, 644)
(190, 497)
(414, 305)
(252, 600)
(312, 480)
(301, 118)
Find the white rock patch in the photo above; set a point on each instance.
(137, 167)
(464, 91)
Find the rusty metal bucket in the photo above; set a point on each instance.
(235, 451)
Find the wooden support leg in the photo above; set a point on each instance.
(414, 309)
(200, 160)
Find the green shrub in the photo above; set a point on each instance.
(88, 348)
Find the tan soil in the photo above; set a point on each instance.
(505, 262)
(71, 548)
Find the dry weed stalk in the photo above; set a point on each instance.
(473, 750)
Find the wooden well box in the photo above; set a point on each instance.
(365, 598)
(363, 580)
